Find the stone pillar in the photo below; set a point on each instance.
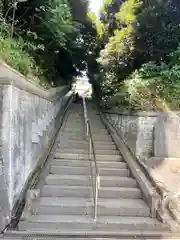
(167, 136)
(144, 143)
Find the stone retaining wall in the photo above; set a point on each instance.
(154, 138)
(149, 134)
(137, 131)
(29, 118)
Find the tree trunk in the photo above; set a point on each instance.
(5, 4)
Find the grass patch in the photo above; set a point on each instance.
(12, 52)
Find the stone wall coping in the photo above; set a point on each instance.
(9, 76)
(138, 113)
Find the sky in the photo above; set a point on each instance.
(95, 6)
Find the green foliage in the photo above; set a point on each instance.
(120, 46)
(128, 12)
(11, 51)
(111, 96)
(107, 2)
(158, 31)
(50, 37)
(100, 27)
(4, 28)
(153, 87)
(138, 57)
(58, 22)
(156, 86)
(119, 49)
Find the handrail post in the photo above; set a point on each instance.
(90, 149)
(87, 129)
(96, 199)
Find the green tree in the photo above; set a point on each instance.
(51, 32)
(130, 35)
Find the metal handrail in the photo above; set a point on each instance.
(92, 157)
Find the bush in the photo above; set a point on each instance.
(156, 86)
(11, 51)
(15, 52)
(140, 60)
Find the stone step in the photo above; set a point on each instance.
(78, 122)
(95, 138)
(103, 142)
(106, 152)
(91, 235)
(66, 191)
(67, 138)
(72, 150)
(81, 191)
(70, 180)
(70, 141)
(82, 180)
(76, 150)
(122, 235)
(85, 151)
(97, 125)
(105, 147)
(95, 135)
(82, 130)
(84, 144)
(68, 170)
(85, 163)
(84, 206)
(78, 127)
(86, 171)
(76, 132)
(85, 156)
(47, 237)
(70, 145)
(86, 223)
(77, 118)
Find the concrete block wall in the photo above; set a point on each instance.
(29, 118)
(149, 134)
(137, 131)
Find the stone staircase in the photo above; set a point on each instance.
(65, 206)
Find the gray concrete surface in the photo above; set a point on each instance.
(27, 123)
